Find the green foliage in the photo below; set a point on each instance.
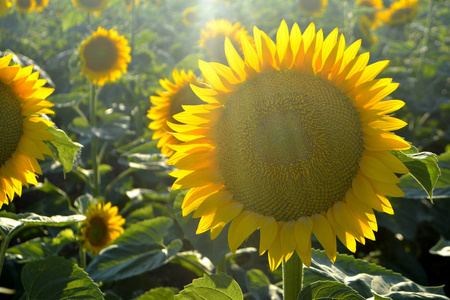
(328, 290)
(216, 286)
(63, 148)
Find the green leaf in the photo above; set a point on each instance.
(56, 278)
(194, 262)
(442, 248)
(83, 202)
(216, 286)
(71, 18)
(139, 249)
(215, 249)
(328, 290)
(158, 294)
(422, 167)
(260, 287)
(42, 247)
(366, 278)
(64, 149)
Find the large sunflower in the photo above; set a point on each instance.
(313, 7)
(93, 6)
(101, 226)
(400, 12)
(105, 56)
(214, 34)
(25, 6)
(4, 7)
(23, 132)
(293, 140)
(169, 103)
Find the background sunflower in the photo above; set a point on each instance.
(25, 6)
(93, 6)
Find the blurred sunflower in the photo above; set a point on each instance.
(169, 103)
(213, 37)
(129, 4)
(23, 133)
(101, 226)
(4, 7)
(190, 16)
(400, 12)
(25, 6)
(93, 6)
(313, 7)
(293, 140)
(375, 20)
(41, 4)
(104, 56)
(365, 26)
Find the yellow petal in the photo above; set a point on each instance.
(325, 235)
(241, 227)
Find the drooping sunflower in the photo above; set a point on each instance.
(101, 226)
(375, 20)
(23, 132)
(92, 6)
(25, 6)
(293, 139)
(4, 7)
(105, 56)
(400, 12)
(190, 16)
(168, 103)
(312, 7)
(40, 5)
(214, 34)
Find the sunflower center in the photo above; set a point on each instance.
(24, 3)
(311, 5)
(184, 97)
(97, 232)
(10, 122)
(289, 145)
(100, 54)
(90, 3)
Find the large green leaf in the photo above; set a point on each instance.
(367, 278)
(56, 278)
(215, 249)
(328, 290)
(158, 294)
(260, 287)
(139, 249)
(63, 148)
(216, 286)
(422, 167)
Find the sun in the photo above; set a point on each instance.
(24, 132)
(168, 103)
(101, 226)
(292, 140)
(104, 56)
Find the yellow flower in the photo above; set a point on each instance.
(169, 103)
(313, 7)
(93, 6)
(400, 12)
(190, 16)
(214, 34)
(105, 56)
(23, 132)
(373, 18)
(4, 7)
(25, 6)
(293, 140)
(41, 4)
(101, 226)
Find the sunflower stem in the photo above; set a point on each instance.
(132, 25)
(292, 277)
(82, 258)
(94, 141)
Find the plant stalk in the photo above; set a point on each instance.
(292, 277)
(94, 141)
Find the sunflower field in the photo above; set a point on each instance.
(212, 149)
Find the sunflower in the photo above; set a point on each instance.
(23, 133)
(41, 4)
(190, 16)
(375, 20)
(365, 25)
(93, 6)
(105, 56)
(169, 103)
(101, 226)
(312, 7)
(129, 4)
(293, 140)
(25, 6)
(400, 12)
(4, 7)
(214, 34)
